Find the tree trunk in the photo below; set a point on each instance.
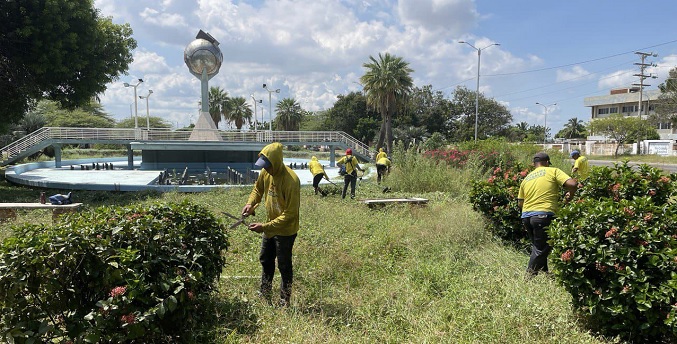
(389, 134)
(381, 135)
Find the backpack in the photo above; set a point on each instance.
(342, 168)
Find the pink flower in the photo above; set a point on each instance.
(128, 318)
(611, 232)
(567, 255)
(118, 291)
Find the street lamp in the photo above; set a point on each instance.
(545, 122)
(255, 114)
(136, 109)
(477, 91)
(147, 111)
(270, 104)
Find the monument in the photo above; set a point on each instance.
(203, 58)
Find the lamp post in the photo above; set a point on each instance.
(477, 91)
(545, 121)
(270, 104)
(136, 109)
(255, 114)
(147, 111)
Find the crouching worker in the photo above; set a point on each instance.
(282, 190)
(382, 168)
(317, 170)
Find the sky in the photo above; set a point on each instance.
(550, 52)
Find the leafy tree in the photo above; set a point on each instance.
(666, 104)
(387, 82)
(427, 109)
(155, 122)
(517, 132)
(349, 112)
(89, 116)
(410, 136)
(60, 50)
(238, 112)
(314, 121)
(622, 129)
(289, 114)
(218, 104)
(493, 118)
(574, 129)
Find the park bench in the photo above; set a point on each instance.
(8, 210)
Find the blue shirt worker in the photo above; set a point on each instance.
(282, 190)
(538, 198)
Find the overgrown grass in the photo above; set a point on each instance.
(399, 274)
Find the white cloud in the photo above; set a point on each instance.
(575, 73)
(452, 16)
(618, 79)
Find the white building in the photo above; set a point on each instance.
(625, 101)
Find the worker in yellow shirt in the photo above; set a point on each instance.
(580, 169)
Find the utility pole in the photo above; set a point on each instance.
(643, 76)
(642, 65)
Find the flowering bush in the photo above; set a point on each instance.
(614, 250)
(496, 199)
(112, 275)
(460, 158)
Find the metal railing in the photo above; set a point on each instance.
(16, 148)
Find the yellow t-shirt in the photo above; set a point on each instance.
(540, 189)
(582, 167)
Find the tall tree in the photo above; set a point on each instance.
(493, 118)
(289, 114)
(61, 50)
(427, 108)
(238, 112)
(88, 116)
(386, 82)
(218, 104)
(573, 129)
(351, 115)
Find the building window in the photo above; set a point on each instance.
(664, 125)
(613, 110)
(629, 108)
(603, 111)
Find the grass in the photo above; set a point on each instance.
(399, 274)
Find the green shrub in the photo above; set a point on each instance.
(116, 274)
(615, 248)
(496, 199)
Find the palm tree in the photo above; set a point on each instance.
(573, 129)
(386, 83)
(289, 114)
(238, 112)
(218, 98)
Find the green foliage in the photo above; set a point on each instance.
(493, 118)
(614, 250)
(434, 142)
(89, 116)
(60, 50)
(623, 129)
(155, 122)
(288, 115)
(239, 112)
(496, 199)
(573, 129)
(112, 275)
(349, 112)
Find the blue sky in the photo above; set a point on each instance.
(313, 50)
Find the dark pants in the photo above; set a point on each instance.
(279, 247)
(316, 180)
(381, 171)
(537, 230)
(352, 180)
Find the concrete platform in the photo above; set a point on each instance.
(45, 175)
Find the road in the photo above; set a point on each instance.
(668, 168)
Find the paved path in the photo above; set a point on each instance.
(669, 168)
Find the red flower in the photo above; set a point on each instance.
(648, 217)
(664, 179)
(128, 318)
(118, 291)
(611, 232)
(523, 173)
(615, 187)
(567, 255)
(629, 211)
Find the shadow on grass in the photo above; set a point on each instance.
(335, 315)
